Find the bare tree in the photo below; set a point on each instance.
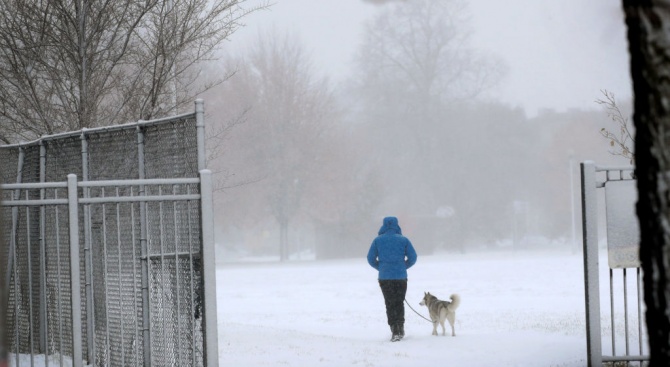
(649, 42)
(415, 66)
(67, 65)
(421, 50)
(288, 113)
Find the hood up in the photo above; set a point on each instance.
(390, 226)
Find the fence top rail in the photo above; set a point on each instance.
(101, 200)
(34, 185)
(614, 168)
(36, 202)
(107, 183)
(138, 182)
(86, 131)
(138, 199)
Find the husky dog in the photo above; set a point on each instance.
(441, 310)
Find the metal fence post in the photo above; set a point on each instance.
(75, 283)
(200, 130)
(11, 262)
(591, 280)
(42, 255)
(209, 269)
(4, 291)
(88, 256)
(144, 254)
(15, 218)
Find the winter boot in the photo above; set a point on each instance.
(395, 336)
(401, 330)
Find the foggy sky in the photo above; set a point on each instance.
(560, 54)
(502, 168)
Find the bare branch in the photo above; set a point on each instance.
(622, 143)
(70, 65)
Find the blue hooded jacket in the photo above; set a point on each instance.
(391, 253)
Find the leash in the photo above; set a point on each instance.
(431, 321)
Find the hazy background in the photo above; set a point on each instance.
(465, 119)
(560, 53)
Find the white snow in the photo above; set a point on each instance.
(518, 309)
(40, 360)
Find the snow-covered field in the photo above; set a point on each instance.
(518, 309)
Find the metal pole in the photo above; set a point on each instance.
(612, 312)
(88, 256)
(43, 255)
(200, 127)
(58, 281)
(177, 267)
(208, 262)
(4, 342)
(29, 244)
(144, 255)
(192, 275)
(163, 280)
(75, 284)
(105, 275)
(118, 243)
(572, 202)
(16, 285)
(591, 281)
(15, 219)
(11, 261)
(625, 309)
(136, 339)
(639, 310)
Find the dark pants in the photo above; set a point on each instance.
(394, 295)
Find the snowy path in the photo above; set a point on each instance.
(518, 309)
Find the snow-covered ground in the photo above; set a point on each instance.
(518, 309)
(41, 360)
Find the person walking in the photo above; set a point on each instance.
(392, 254)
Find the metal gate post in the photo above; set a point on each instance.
(209, 269)
(75, 282)
(88, 257)
(144, 254)
(15, 218)
(11, 259)
(591, 280)
(200, 132)
(43, 254)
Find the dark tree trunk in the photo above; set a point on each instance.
(648, 24)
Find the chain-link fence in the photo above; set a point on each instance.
(110, 268)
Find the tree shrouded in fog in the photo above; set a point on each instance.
(78, 64)
(284, 142)
(416, 69)
(418, 53)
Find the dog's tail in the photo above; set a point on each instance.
(455, 301)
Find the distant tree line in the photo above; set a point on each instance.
(409, 134)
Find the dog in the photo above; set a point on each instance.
(441, 310)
